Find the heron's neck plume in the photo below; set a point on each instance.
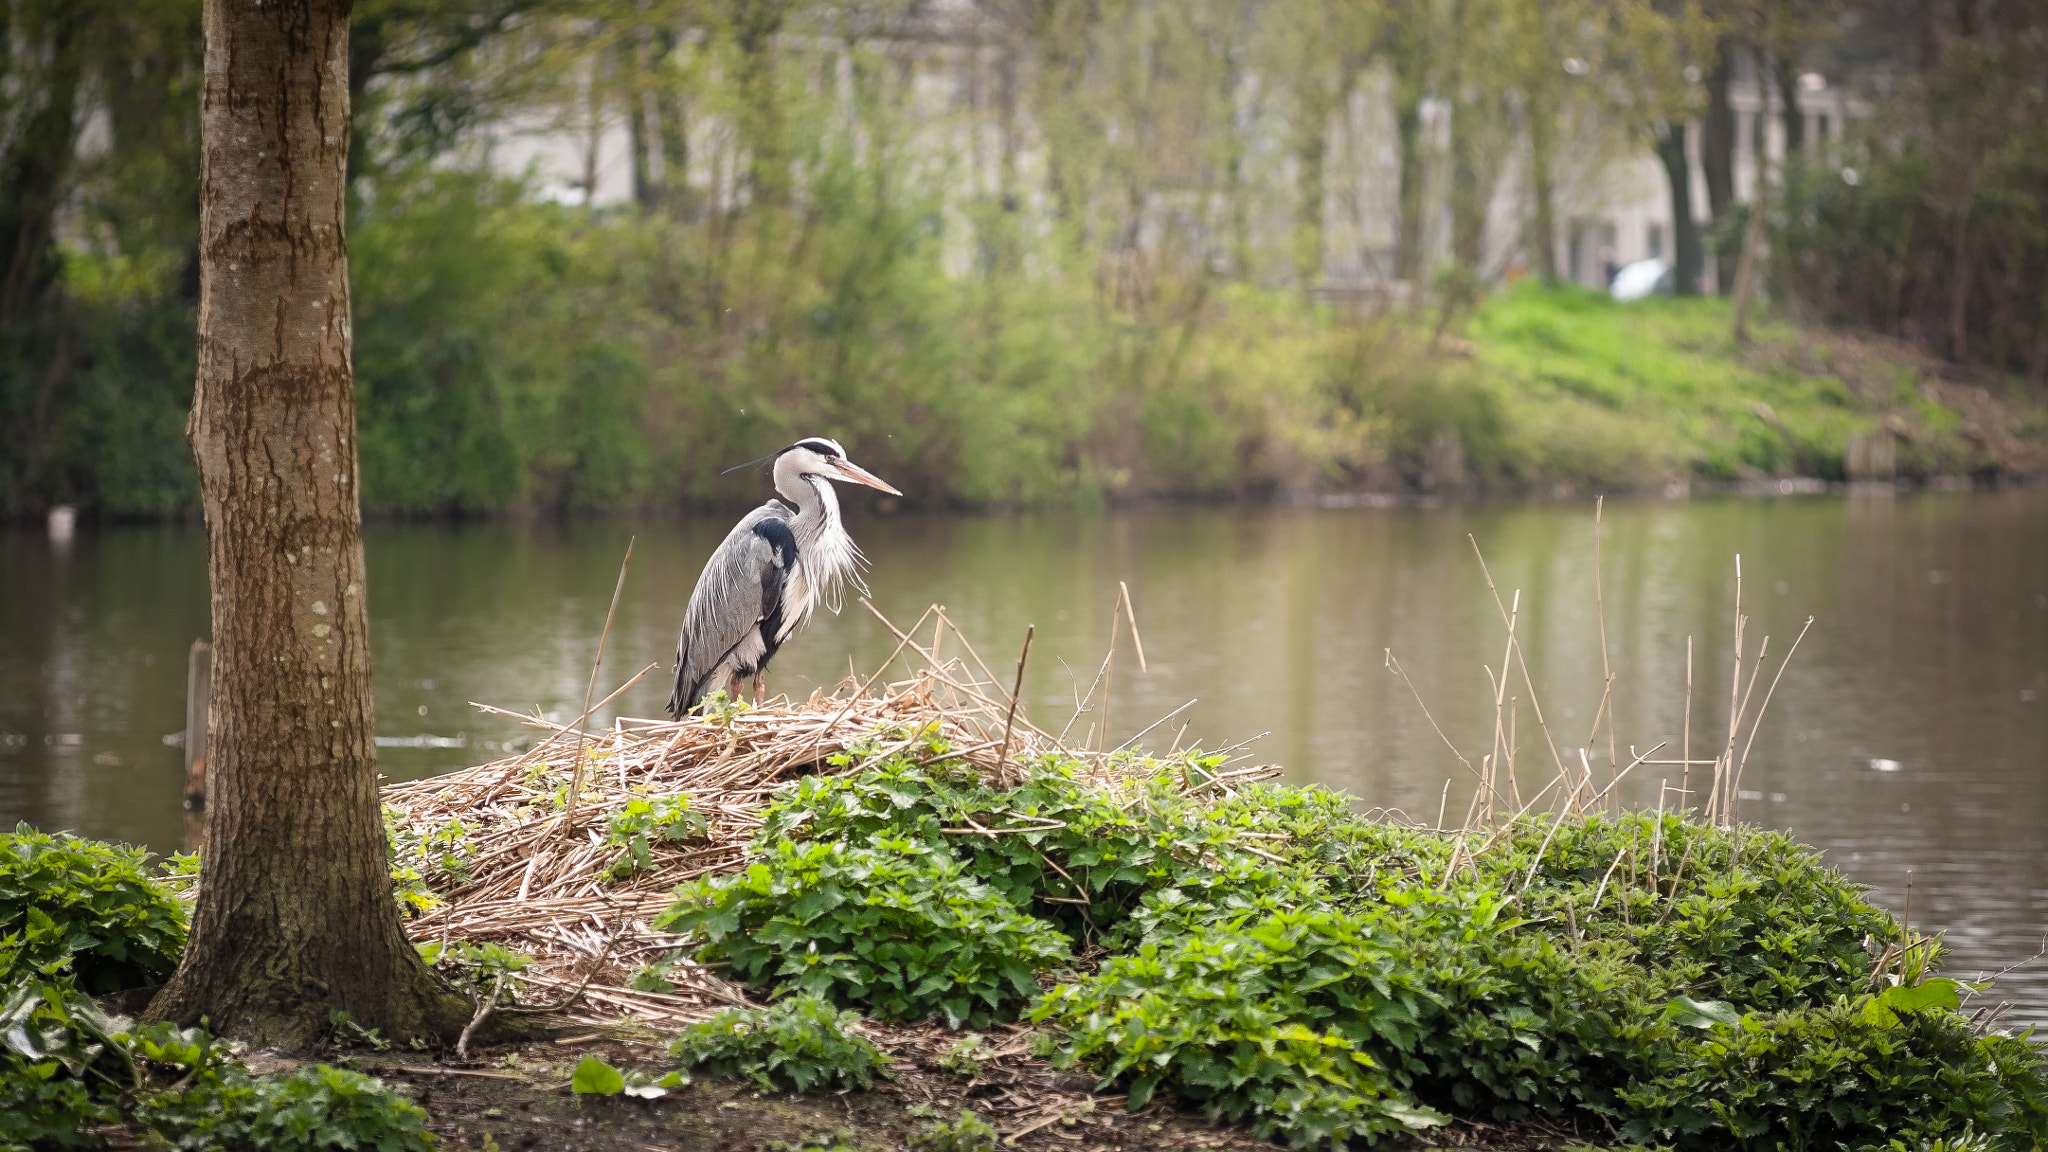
(827, 558)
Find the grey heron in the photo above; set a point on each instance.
(775, 566)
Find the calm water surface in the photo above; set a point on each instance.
(1928, 657)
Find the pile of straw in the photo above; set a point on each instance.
(536, 867)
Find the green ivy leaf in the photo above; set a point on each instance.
(594, 1077)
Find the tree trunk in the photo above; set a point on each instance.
(761, 101)
(1311, 150)
(640, 122)
(1717, 158)
(1748, 268)
(1787, 73)
(32, 183)
(670, 104)
(1542, 142)
(1685, 231)
(1408, 230)
(1959, 292)
(295, 916)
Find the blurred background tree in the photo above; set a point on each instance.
(1019, 251)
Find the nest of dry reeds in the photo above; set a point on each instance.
(534, 869)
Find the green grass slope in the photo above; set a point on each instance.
(1658, 389)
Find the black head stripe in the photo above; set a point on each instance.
(821, 446)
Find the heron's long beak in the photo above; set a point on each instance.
(859, 475)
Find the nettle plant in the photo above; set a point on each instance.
(67, 1067)
(643, 822)
(426, 864)
(796, 1044)
(84, 906)
(888, 924)
(1282, 962)
(1055, 846)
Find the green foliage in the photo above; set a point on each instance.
(965, 1132)
(317, 1107)
(66, 1067)
(350, 1034)
(887, 924)
(479, 966)
(59, 1067)
(796, 1044)
(1599, 391)
(1067, 852)
(1358, 979)
(965, 1056)
(1835, 1076)
(642, 822)
(86, 905)
(496, 361)
(1769, 928)
(425, 863)
(594, 1077)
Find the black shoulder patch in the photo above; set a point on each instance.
(779, 537)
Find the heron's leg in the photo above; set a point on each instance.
(732, 688)
(760, 680)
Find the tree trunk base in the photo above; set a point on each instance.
(292, 1011)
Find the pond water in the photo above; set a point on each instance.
(1908, 736)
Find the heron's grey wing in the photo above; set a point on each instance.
(740, 585)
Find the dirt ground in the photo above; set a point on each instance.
(519, 1098)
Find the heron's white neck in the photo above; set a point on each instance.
(826, 556)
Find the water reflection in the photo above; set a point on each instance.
(1929, 650)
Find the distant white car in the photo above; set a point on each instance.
(1639, 279)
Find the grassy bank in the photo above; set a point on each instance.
(867, 901)
(1629, 393)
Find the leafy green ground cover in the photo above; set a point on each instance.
(1280, 962)
(1261, 954)
(79, 918)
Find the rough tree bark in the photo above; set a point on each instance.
(295, 915)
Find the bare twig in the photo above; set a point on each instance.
(1016, 694)
(590, 689)
(483, 1012)
(1768, 693)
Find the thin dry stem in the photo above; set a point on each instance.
(1765, 706)
(576, 781)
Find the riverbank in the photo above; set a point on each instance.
(1042, 395)
(1598, 392)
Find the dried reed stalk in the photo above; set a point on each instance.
(590, 689)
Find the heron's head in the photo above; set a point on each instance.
(818, 456)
